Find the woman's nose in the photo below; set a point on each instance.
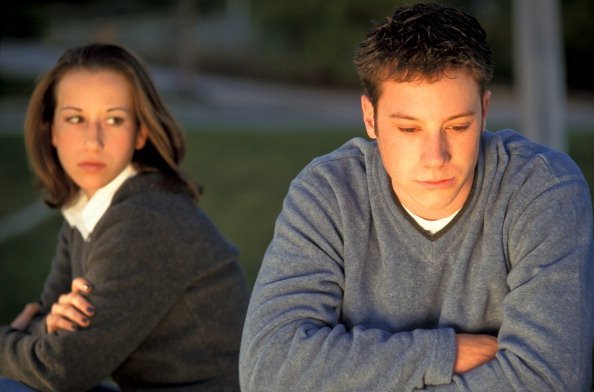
(94, 135)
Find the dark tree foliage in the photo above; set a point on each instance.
(312, 41)
(315, 40)
(578, 28)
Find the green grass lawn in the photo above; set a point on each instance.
(244, 175)
(245, 178)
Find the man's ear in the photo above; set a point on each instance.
(368, 116)
(485, 107)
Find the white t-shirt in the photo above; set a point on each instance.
(432, 226)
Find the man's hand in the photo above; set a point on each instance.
(72, 311)
(21, 322)
(473, 351)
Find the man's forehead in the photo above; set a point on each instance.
(421, 81)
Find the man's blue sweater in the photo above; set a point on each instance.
(353, 295)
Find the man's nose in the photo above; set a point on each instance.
(435, 150)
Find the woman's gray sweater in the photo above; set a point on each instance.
(169, 295)
(353, 295)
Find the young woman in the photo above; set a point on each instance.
(143, 289)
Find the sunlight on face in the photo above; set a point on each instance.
(95, 130)
(428, 136)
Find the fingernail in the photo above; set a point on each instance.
(74, 327)
(85, 320)
(91, 309)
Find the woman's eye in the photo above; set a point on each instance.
(74, 119)
(115, 121)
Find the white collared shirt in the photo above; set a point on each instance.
(84, 213)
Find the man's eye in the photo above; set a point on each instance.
(407, 130)
(460, 128)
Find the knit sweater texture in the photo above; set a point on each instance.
(169, 295)
(353, 295)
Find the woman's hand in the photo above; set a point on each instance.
(21, 322)
(72, 311)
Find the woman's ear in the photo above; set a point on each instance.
(368, 116)
(52, 137)
(141, 137)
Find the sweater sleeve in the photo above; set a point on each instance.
(60, 277)
(58, 281)
(293, 336)
(545, 340)
(139, 264)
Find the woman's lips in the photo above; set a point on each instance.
(91, 166)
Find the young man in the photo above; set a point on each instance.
(436, 256)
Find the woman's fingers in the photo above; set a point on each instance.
(78, 302)
(66, 317)
(73, 310)
(55, 322)
(81, 285)
(71, 313)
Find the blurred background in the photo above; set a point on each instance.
(262, 87)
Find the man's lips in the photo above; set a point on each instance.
(437, 184)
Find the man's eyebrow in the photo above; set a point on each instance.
(403, 116)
